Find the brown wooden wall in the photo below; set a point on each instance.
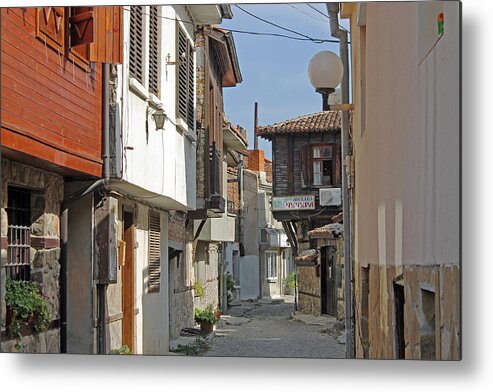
(286, 167)
(51, 107)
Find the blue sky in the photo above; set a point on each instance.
(275, 69)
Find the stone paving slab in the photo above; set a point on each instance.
(232, 320)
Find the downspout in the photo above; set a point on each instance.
(337, 32)
(98, 184)
(101, 287)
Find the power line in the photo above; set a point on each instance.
(307, 38)
(320, 12)
(306, 13)
(284, 28)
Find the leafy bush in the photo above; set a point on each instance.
(123, 350)
(206, 315)
(230, 284)
(199, 289)
(25, 299)
(290, 281)
(199, 347)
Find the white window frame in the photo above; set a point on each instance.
(271, 265)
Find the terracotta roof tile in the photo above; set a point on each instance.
(317, 122)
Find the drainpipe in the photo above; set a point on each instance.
(98, 184)
(101, 287)
(333, 10)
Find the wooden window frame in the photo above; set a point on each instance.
(307, 163)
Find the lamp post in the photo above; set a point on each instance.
(325, 72)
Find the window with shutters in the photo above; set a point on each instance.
(136, 61)
(320, 165)
(186, 79)
(154, 253)
(18, 266)
(154, 50)
(81, 33)
(50, 26)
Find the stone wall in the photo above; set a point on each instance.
(431, 312)
(206, 270)
(308, 290)
(46, 197)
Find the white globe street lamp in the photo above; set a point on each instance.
(325, 72)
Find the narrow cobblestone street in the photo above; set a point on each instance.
(263, 329)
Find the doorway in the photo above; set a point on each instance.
(399, 321)
(328, 281)
(128, 283)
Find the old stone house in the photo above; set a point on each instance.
(406, 196)
(306, 171)
(52, 125)
(217, 141)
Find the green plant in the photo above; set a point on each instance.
(206, 315)
(199, 289)
(25, 301)
(123, 350)
(290, 281)
(199, 347)
(230, 283)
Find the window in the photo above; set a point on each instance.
(320, 165)
(154, 50)
(154, 253)
(136, 66)
(19, 242)
(271, 265)
(186, 78)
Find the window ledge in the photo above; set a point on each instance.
(155, 102)
(272, 280)
(137, 88)
(182, 127)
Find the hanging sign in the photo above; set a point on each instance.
(291, 203)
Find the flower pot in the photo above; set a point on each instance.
(205, 326)
(217, 314)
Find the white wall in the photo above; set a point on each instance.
(161, 162)
(249, 277)
(407, 160)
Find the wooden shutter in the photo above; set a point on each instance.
(153, 50)
(306, 166)
(50, 26)
(336, 168)
(191, 85)
(108, 35)
(182, 56)
(81, 25)
(154, 252)
(136, 43)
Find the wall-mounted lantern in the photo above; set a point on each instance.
(159, 116)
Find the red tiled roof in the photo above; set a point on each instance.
(317, 122)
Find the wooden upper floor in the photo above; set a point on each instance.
(306, 159)
(51, 85)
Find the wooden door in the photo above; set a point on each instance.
(328, 282)
(128, 283)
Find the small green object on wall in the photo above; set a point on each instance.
(440, 22)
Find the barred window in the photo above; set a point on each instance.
(154, 50)
(186, 79)
(137, 43)
(19, 241)
(154, 252)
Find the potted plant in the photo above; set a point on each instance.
(25, 305)
(206, 318)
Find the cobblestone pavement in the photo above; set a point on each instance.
(272, 332)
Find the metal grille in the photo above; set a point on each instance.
(153, 50)
(154, 253)
(186, 82)
(18, 237)
(136, 42)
